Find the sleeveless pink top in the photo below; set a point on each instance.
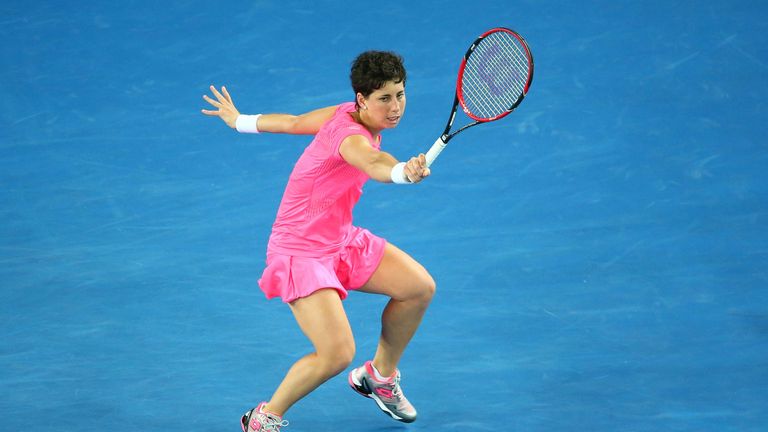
(315, 214)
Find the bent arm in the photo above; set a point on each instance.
(358, 152)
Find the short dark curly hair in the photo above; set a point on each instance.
(372, 69)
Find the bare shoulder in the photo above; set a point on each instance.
(311, 122)
(356, 142)
(323, 114)
(354, 147)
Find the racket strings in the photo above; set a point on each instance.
(497, 79)
(495, 75)
(508, 64)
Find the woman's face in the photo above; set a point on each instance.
(385, 106)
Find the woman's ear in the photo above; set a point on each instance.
(361, 101)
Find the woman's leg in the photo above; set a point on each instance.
(410, 288)
(323, 320)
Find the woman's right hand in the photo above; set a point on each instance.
(225, 107)
(416, 168)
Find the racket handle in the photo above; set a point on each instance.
(435, 150)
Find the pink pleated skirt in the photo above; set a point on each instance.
(293, 277)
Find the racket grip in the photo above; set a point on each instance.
(435, 150)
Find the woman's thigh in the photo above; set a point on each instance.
(322, 318)
(400, 277)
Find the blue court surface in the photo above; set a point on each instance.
(601, 254)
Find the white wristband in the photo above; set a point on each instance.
(247, 123)
(398, 174)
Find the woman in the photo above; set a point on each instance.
(315, 254)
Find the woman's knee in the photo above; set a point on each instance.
(428, 288)
(421, 290)
(336, 358)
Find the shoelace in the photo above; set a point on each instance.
(274, 424)
(397, 392)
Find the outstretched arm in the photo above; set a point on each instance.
(304, 124)
(357, 151)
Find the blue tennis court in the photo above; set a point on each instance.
(601, 254)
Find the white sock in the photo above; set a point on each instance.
(377, 374)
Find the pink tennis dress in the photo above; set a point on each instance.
(313, 244)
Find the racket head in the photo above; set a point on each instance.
(494, 75)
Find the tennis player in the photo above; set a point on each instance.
(315, 255)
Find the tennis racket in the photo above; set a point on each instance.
(494, 77)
